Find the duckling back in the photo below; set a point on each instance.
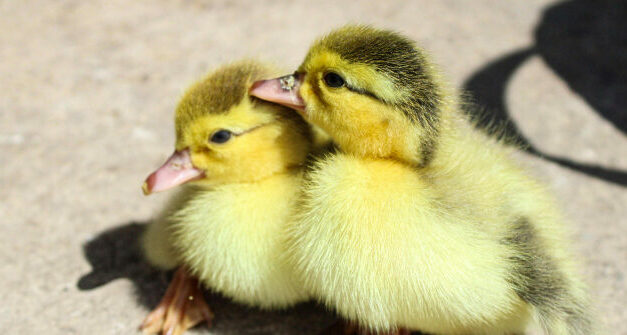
(477, 171)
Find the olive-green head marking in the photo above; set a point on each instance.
(409, 78)
(218, 92)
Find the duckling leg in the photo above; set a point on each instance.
(341, 328)
(350, 328)
(182, 307)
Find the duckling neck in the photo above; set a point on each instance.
(423, 142)
(408, 143)
(388, 140)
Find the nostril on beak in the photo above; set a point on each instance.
(287, 82)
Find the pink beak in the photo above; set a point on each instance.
(177, 170)
(283, 90)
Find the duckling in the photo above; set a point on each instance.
(418, 221)
(242, 158)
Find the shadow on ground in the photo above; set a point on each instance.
(115, 254)
(585, 43)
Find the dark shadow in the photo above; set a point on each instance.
(486, 90)
(115, 254)
(584, 42)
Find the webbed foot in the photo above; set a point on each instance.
(182, 307)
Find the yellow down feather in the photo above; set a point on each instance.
(419, 221)
(229, 228)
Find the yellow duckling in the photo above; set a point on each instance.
(419, 221)
(243, 157)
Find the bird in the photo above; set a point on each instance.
(418, 221)
(241, 160)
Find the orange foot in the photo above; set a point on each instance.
(350, 328)
(182, 307)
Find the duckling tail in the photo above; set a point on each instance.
(559, 301)
(566, 318)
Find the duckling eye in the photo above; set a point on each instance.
(333, 79)
(221, 136)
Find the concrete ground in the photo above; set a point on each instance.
(88, 88)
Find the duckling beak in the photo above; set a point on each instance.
(283, 90)
(177, 170)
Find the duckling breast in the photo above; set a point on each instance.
(374, 241)
(233, 238)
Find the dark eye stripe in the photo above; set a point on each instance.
(364, 92)
(316, 88)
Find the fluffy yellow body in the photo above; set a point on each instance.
(229, 227)
(233, 238)
(388, 246)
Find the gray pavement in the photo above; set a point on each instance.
(88, 88)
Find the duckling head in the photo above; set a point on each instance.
(225, 136)
(373, 91)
